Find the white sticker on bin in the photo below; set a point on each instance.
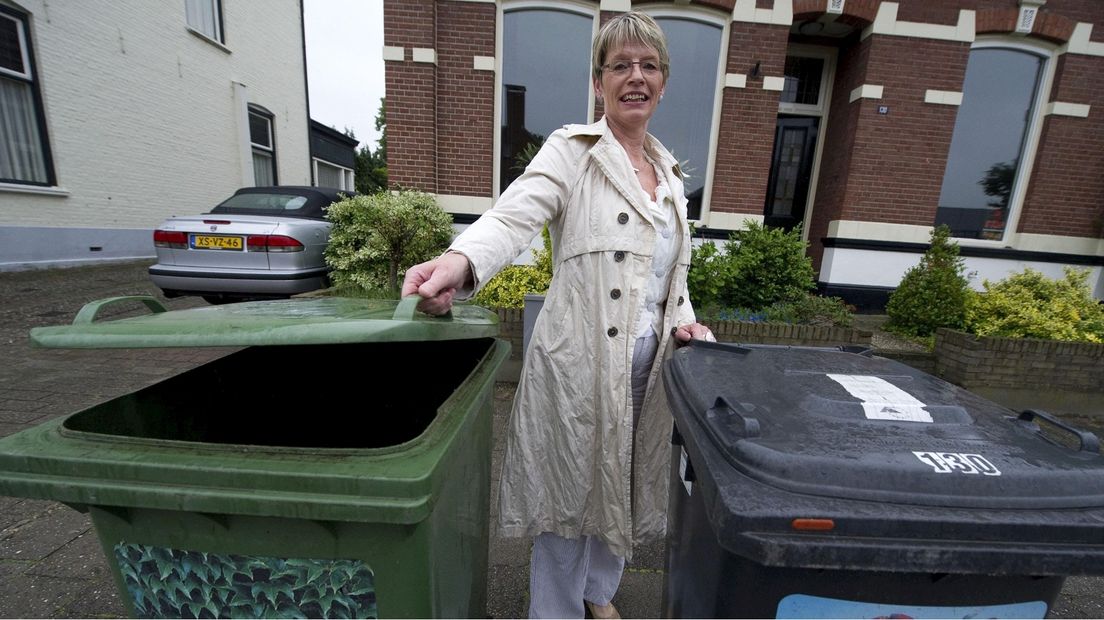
(881, 400)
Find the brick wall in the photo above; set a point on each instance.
(898, 159)
(465, 98)
(748, 116)
(1066, 189)
(411, 96)
(1021, 363)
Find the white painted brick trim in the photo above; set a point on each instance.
(620, 6)
(1060, 108)
(774, 83)
(391, 52)
(745, 11)
(735, 80)
(867, 91)
(1080, 43)
(483, 63)
(730, 221)
(426, 55)
(886, 23)
(472, 205)
(944, 97)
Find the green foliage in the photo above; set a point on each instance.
(509, 288)
(807, 310)
(932, 294)
(371, 166)
(1031, 305)
(759, 266)
(169, 583)
(376, 238)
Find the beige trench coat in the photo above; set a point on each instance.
(570, 449)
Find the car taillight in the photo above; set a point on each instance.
(273, 243)
(170, 239)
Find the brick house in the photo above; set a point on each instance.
(116, 115)
(866, 122)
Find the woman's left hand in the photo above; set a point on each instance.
(694, 330)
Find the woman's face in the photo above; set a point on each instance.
(630, 99)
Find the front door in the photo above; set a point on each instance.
(791, 166)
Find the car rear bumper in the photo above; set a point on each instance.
(188, 280)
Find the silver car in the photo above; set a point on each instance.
(262, 242)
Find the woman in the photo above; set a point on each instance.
(587, 452)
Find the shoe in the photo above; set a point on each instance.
(602, 612)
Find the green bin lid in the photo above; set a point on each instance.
(314, 320)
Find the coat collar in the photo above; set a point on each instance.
(614, 163)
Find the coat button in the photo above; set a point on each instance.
(623, 218)
(673, 330)
(619, 256)
(611, 332)
(615, 293)
(680, 300)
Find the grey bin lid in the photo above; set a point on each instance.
(315, 320)
(835, 423)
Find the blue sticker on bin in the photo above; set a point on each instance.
(805, 606)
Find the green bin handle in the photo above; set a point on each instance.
(88, 313)
(407, 306)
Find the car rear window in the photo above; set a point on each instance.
(264, 202)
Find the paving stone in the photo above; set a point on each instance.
(39, 537)
(32, 596)
(99, 600)
(82, 558)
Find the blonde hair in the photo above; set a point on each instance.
(631, 27)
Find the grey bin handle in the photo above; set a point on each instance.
(407, 306)
(749, 426)
(88, 313)
(1089, 441)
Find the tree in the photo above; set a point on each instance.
(371, 166)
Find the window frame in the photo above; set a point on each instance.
(254, 147)
(1032, 134)
(219, 36)
(29, 76)
(348, 177)
(575, 7)
(827, 57)
(709, 17)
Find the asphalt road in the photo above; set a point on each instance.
(51, 564)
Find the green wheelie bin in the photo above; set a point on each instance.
(336, 464)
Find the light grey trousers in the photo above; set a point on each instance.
(563, 572)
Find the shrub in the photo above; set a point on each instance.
(759, 266)
(933, 293)
(376, 238)
(1031, 305)
(509, 288)
(808, 310)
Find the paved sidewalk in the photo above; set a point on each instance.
(51, 564)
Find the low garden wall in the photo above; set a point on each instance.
(511, 326)
(1019, 363)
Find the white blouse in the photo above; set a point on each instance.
(663, 259)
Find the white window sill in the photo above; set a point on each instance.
(209, 39)
(33, 189)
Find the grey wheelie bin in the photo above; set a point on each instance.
(336, 465)
(830, 483)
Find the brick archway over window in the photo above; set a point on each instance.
(1048, 26)
(856, 13)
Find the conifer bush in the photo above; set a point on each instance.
(932, 294)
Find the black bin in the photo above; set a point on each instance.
(828, 482)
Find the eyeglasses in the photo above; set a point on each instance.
(621, 68)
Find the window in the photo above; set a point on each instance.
(545, 80)
(24, 152)
(205, 17)
(264, 147)
(684, 121)
(999, 102)
(330, 175)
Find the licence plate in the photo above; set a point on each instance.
(217, 242)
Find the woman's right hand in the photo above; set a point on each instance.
(436, 281)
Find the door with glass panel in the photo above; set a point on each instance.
(791, 168)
